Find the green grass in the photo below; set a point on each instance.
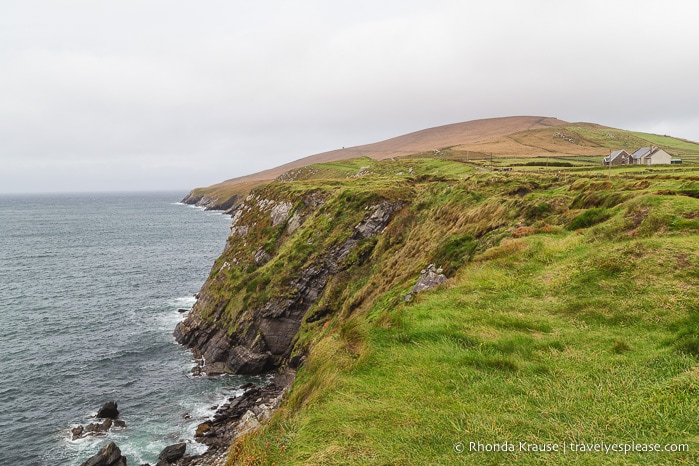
(570, 316)
(673, 145)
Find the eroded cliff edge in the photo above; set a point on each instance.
(289, 244)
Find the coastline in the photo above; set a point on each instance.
(230, 417)
(95, 280)
(237, 417)
(240, 414)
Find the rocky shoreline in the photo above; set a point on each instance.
(240, 415)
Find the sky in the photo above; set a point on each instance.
(125, 95)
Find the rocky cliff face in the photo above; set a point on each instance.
(284, 248)
(211, 202)
(303, 251)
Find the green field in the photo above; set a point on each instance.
(570, 317)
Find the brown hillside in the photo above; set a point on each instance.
(469, 132)
(566, 139)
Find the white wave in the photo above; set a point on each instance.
(184, 302)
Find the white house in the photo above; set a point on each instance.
(650, 156)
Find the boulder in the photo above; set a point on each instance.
(77, 432)
(108, 410)
(110, 455)
(171, 454)
(429, 278)
(203, 429)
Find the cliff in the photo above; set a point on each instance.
(428, 302)
(286, 245)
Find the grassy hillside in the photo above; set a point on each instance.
(512, 141)
(577, 139)
(570, 316)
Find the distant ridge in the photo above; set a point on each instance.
(439, 137)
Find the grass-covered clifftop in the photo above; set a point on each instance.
(570, 314)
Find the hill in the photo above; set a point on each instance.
(503, 138)
(554, 309)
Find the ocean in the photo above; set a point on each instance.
(90, 287)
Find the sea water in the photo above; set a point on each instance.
(90, 288)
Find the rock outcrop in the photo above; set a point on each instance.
(171, 454)
(108, 410)
(109, 413)
(239, 416)
(261, 336)
(430, 277)
(211, 202)
(110, 455)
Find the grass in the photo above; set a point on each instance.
(569, 317)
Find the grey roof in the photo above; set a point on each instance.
(614, 155)
(640, 152)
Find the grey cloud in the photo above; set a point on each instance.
(172, 94)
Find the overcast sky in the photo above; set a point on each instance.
(174, 94)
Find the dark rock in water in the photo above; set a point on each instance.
(77, 432)
(99, 427)
(108, 410)
(182, 311)
(172, 453)
(245, 386)
(110, 455)
(203, 429)
(95, 428)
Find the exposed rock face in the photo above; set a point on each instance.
(429, 278)
(242, 414)
(210, 203)
(110, 455)
(262, 257)
(264, 335)
(280, 212)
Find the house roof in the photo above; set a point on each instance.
(641, 152)
(615, 154)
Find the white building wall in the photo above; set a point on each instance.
(659, 158)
